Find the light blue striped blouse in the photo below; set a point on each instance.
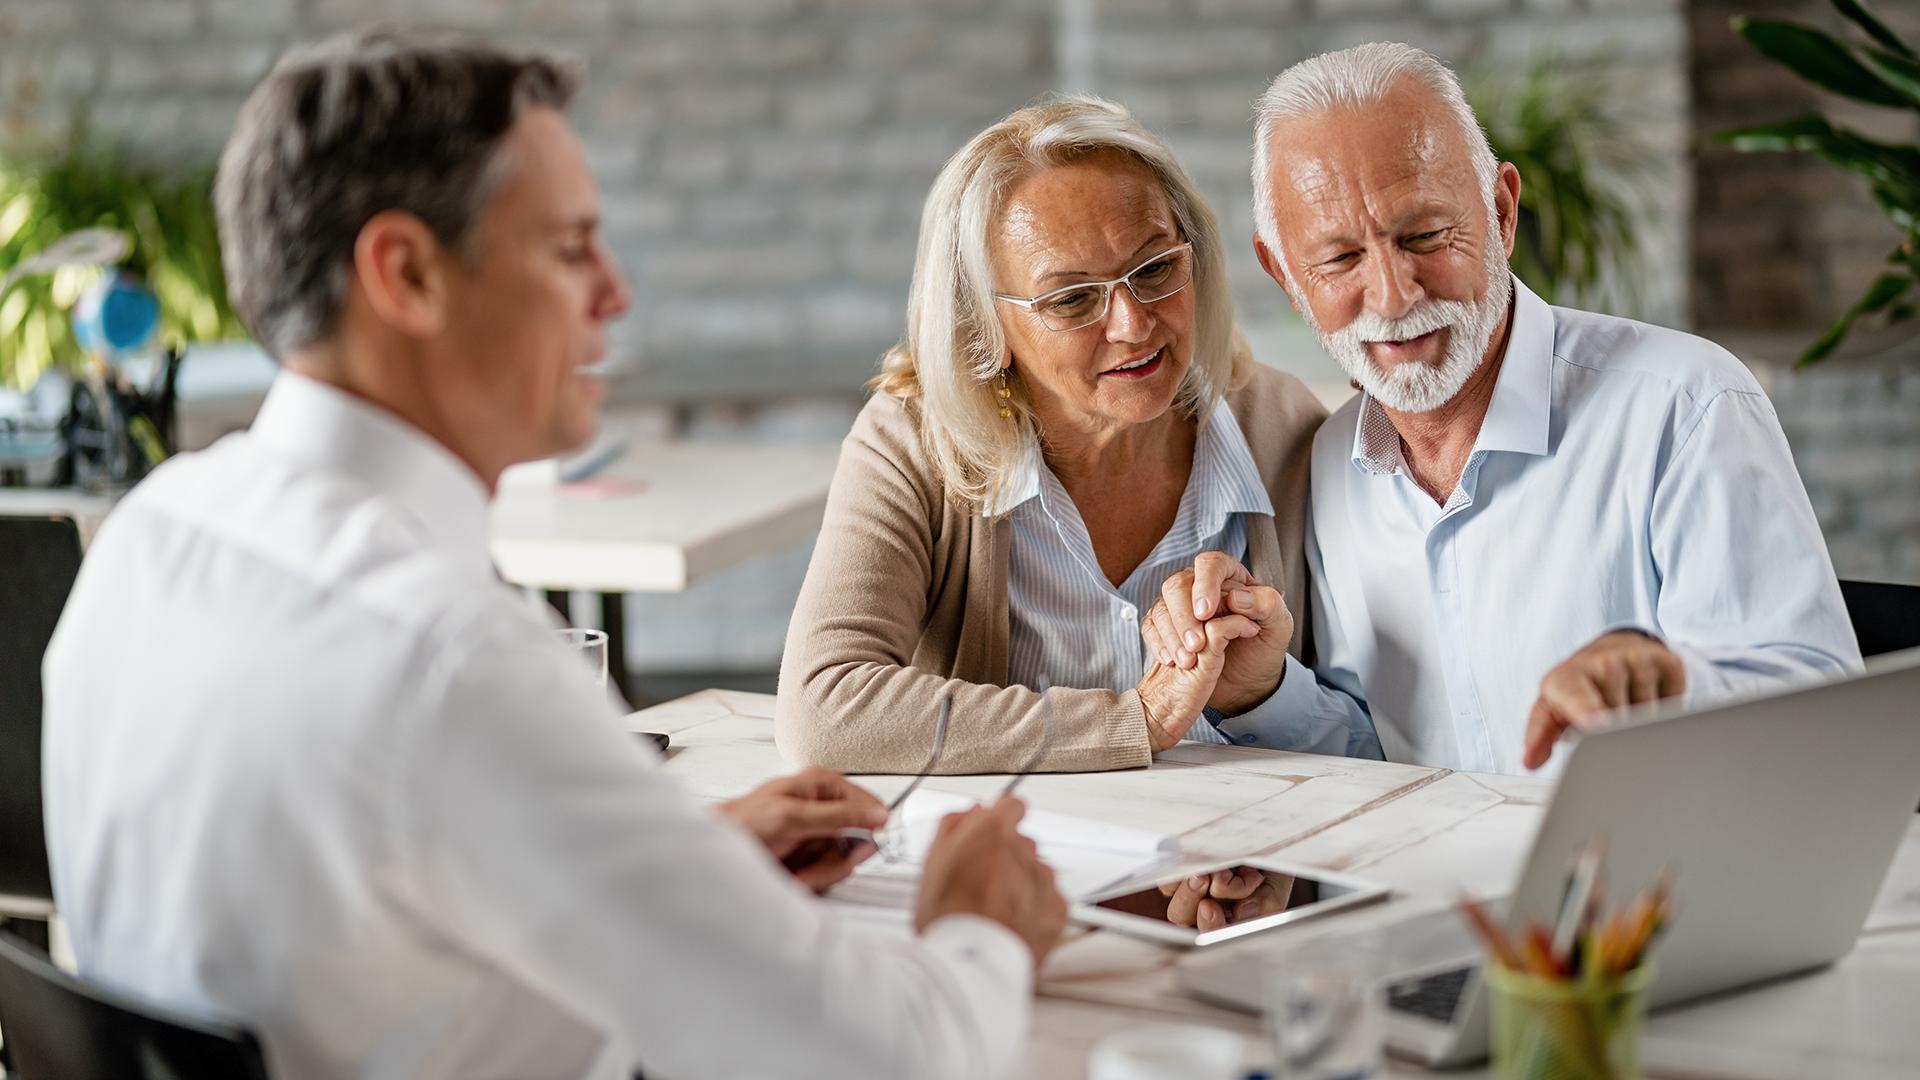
(1072, 627)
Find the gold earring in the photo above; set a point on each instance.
(1005, 394)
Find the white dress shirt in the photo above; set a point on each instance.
(1070, 626)
(311, 768)
(1625, 476)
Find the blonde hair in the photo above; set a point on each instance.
(951, 354)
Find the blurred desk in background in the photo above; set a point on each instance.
(661, 516)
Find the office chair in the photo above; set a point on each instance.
(39, 557)
(1885, 616)
(59, 1027)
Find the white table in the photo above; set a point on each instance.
(697, 508)
(679, 511)
(1427, 832)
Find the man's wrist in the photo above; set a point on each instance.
(1241, 706)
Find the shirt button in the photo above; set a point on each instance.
(1246, 740)
(1127, 614)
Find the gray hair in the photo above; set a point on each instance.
(1354, 79)
(954, 342)
(349, 127)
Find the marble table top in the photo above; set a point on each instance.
(1428, 833)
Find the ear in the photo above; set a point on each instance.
(401, 268)
(1270, 262)
(1506, 203)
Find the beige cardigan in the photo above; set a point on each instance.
(906, 600)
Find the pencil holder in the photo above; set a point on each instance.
(1567, 1029)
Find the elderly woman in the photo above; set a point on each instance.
(1070, 429)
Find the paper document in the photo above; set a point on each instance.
(1087, 856)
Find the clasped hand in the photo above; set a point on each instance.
(1218, 639)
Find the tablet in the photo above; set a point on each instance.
(1241, 898)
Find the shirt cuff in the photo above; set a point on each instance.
(989, 969)
(1284, 717)
(982, 943)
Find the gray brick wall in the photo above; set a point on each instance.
(764, 161)
(1784, 242)
(1854, 424)
(763, 164)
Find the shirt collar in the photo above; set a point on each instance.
(1022, 482)
(323, 427)
(1519, 418)
(1223, 468)
(1232, 480)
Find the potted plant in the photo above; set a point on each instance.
(1878, 68)
(167, 215)
(1581, 162)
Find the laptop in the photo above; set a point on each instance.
(1781, 816)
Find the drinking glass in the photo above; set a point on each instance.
(592, 647)
(1327, 1008)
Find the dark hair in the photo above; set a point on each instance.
(344, 129)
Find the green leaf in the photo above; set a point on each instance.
(1819, 58)
(1781, 135)
(1900, 72)
(1892, 171)
(18, 210)
(1860, 15)
(1880, 295)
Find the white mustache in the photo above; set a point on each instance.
(1425, 318)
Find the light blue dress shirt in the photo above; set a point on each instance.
(1071, 627)
(1625, 476)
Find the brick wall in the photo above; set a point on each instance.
(1783, 243)
(1854, 424)
(763, 161)
(763, 164)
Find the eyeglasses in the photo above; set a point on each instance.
(891, 839)
(1077, 306)
(1040, 749)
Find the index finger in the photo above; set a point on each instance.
(1184, 908)
(1211, 571)
(1237, 883)
(1008, 809)
(809, 818)
(815, 782)
(1178, 593)
(1544, 727)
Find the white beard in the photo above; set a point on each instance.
(1416, 387)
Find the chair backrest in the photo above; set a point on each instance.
(39, 557)
(1886, 617)
(59, 1027)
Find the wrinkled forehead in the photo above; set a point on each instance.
(1086, 218)
(1370, 161)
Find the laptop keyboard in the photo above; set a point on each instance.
(1434, 997)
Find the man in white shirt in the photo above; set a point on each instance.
(1531, 516)
(310, 767)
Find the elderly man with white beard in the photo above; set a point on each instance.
(1531, 516)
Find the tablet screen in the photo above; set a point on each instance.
(1231, 897)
